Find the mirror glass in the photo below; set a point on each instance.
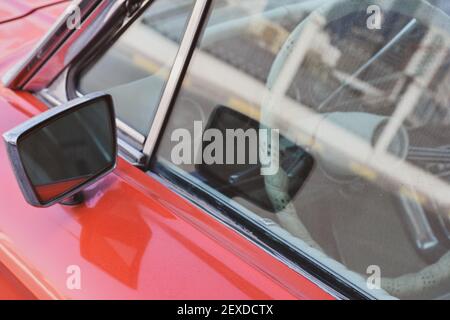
(67, 151)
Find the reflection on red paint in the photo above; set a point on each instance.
(117, 253)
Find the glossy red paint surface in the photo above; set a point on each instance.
(133, 238)
(10, 10)
(18, 37)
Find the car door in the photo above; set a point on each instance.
(346, 101)
(133, 237)
(341, 103)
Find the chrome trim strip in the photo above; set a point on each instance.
(176, 74)
(129, 153)
(130, 132)
(49, 98)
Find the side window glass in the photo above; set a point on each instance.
(327, 123)
(135, 69)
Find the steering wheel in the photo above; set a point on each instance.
(277, 184)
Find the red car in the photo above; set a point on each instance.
(260, 149)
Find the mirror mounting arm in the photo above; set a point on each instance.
(74, 200)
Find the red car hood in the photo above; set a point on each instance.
(22, 24)
(11, 10)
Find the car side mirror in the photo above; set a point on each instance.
(63, 150)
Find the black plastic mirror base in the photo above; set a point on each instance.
(76, 199)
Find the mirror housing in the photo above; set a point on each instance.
(56, 154)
